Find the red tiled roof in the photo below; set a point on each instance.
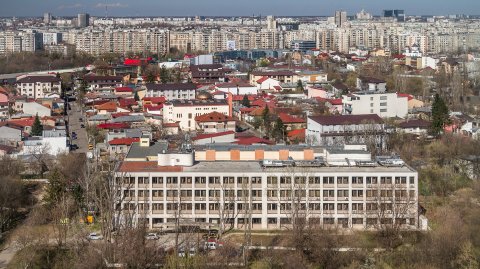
(204, 136)
(247, 109)
(123, 141)
(262, 79)
(140, 166)
(153, 107)
(127, 102)
(347, 119)
(22, 122)
(252, 140)
(409, 96)
(286, 118)
(234, 85)
(108, 106)
(113, 125)
(170, 124)
(335, 102)
(297, 134)
(240, 97)
(123, 89)
(213, 117)
(278, 88)
(154, 100)
(414, 124)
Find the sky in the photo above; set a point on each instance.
(21, 8)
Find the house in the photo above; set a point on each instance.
(370, 102)
(237, 88)
(339, 88)
(208, 73)
(412, 102)
(172, 91)
(210, 138)
(336, 130)
(10, 136)
(371, 84)
(38, 86)
(215, 122)
(98, 82)
(416, 126)
(282, 76)
(268, 84)
(315, 91)
(120, 146)
(184, 112)
(98, 119)
(307, 76)
(292, 122)
(123, 91)
(52, 142)
(106, 108)
(34, 108)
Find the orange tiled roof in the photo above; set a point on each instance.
(213, 117)
(108, 106)
(140, 166)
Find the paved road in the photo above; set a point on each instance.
(74, 126)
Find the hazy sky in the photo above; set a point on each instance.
(233, 7)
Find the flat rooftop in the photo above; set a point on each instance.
(253, 167)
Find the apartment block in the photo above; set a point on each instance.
(265, 187)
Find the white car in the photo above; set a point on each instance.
(152, 236)
(94, 236)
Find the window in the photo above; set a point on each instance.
(300, 193)
(157, 207)
(143, 180)
(328, 193)
(383, 104)
(256, 180)
(256, 193)
(371, 206)
(412, 180)
(157, 180)
(357, 193)
(172, 206)
(172, 180)
(285, 206)
(157, 193)
(314, 193)
(372, 180)
(257, 206)
(357, 180)
(383, 110)
(143, 193)
(357, 221)
(342, 180)
(385, 180)
(383, 97)
(285, 180)
(229, 193)
(272, 220)
(400, 180)
(357, 207)
(342, 193)
(200, 193)
(329, 206)
(200, 180)
(242, 180)
(242, 193)
(228, 180)
(314, 180)
(213, 206)
(214, 193)
(172, 193)
(185, 180)
(342, 207)
(328, 180)
(372, 193)
(272, 206)
(328, 221)
(185, 206)
(213, 180)
(314, 206)
(272, 193)
(300, 180)
(256, 220)
(272, 180)
(200, 206)
(285, 193)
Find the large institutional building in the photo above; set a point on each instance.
(269, 187)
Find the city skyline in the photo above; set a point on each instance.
(245, 8)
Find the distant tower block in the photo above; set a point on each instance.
(271, 23)
(340, 18)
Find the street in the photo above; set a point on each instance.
(74, 126)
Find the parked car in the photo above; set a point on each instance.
(73, 147)
(211, 244)
(80, 119)
(82, 125)
(152, 236)
(94, 236)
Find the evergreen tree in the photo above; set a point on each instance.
(266, 118)
(37, 127)
(300, 86)
(55, 189)
(136, 97)
(245, 101)
(439, 115)
(164, 75)
(279, 130)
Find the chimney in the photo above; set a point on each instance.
(230, 104)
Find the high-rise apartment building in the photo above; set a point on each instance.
(83, 20)
(340, 18)
(47, 18)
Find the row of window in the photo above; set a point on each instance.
(341, 221)
(355, 207)
(271, 180)
(273, 193)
